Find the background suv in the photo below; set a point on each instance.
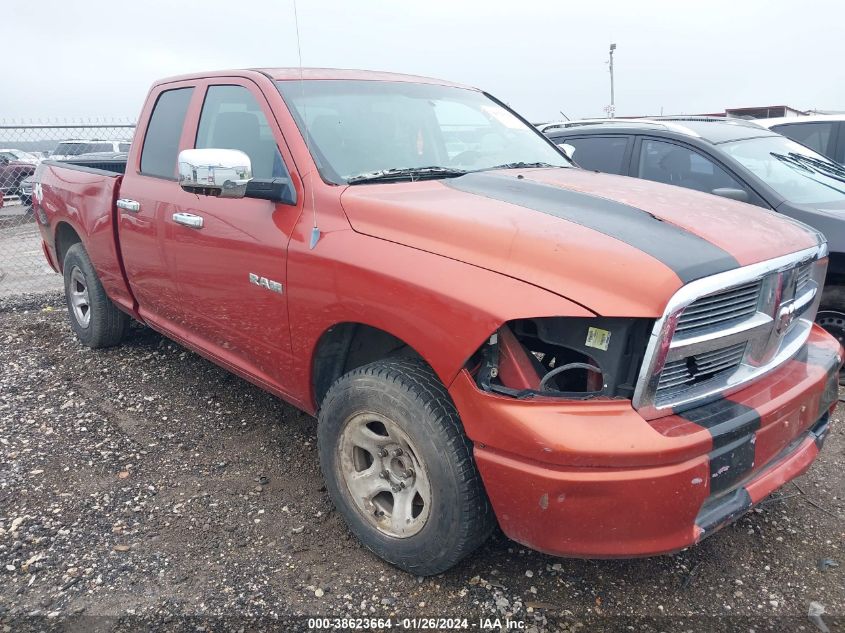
(824, 133)
(76, 147)
(731, 158)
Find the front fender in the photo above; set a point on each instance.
(442, 308)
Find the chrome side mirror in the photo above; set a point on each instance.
(223, 173)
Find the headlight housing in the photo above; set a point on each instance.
(563, 357)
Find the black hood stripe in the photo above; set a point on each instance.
(691, 257)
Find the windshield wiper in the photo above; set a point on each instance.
(812, 165)
(825, 166)
(407, 173)
(519, 165)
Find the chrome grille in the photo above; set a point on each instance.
(720, 309)
(697, 368)
(722, 332)
(804, 276)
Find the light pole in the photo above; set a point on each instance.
(612, 110)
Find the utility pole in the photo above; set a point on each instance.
(611, 112)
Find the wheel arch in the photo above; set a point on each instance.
(348, 345)
(65, 236)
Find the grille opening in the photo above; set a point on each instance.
(721, 309)
(683, 373)
(804, 277)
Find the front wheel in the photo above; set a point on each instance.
(95, 320)
(399, 468)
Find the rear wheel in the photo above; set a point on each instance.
(399, 468)
(95, 320)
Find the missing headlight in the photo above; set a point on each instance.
(563, 357)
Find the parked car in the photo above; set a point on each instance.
(25, 190)
(824, 133)
(484, 335)
(12, 172)
(730, 158)
(20, 156)
(77, 147)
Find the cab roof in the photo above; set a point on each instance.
(317, 74)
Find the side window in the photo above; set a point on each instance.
(840, 152)
(598, 153)
(681, 166)
(232, 119)
(161, 143)
(816, 136)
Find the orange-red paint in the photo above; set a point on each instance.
(442, 270)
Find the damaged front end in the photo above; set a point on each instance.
(563, 357)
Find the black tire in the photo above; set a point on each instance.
(105, 325)
(831, 315)
(407, 392)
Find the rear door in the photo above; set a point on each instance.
(231, 272)
(149, 195)
(609, 154)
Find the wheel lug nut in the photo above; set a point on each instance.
(397, 452)
(395, 488)
(382, 452)
(408, 474)
(384, 474)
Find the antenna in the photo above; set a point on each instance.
(315, 230)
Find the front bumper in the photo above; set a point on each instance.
(594, 479)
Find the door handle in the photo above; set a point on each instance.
(128, 205)
(188, 219)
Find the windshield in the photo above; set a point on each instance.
(795, 172)
(355, 128)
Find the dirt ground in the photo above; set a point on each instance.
(145, 488)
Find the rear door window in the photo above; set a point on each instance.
(598, 153)
(161, 142)
(682, 166)
(817, 136)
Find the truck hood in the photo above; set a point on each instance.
(618, 246)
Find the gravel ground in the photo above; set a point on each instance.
(22, 264)
(143, 487)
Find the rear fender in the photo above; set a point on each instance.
(85, 199)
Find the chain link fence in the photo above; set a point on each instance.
(23, 268)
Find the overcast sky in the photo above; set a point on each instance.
(95, 58)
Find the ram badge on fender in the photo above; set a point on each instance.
(485, 332)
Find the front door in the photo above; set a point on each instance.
(231, 270)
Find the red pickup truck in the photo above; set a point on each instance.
(606, 367)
